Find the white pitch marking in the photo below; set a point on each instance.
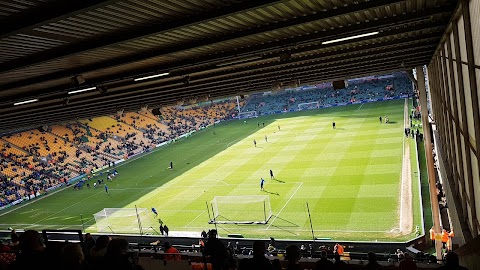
(195, 218)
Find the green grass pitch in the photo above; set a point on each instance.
(349, 176)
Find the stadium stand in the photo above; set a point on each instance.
(181, 120)
(23, 175)
(35, 161)
(153, 129)
(131, 140)
(365, 89)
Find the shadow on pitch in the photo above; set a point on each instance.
(274, 193)
(278, 180)
(285, 230)
(288, 223)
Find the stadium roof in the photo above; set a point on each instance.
(198, 49)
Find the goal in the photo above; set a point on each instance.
(244, 115)
(254, 209)
(308, 106)
(124, 220)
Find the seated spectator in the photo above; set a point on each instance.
(339, 264)
(97, 252)
(372, 262)
(324, 263)
(171, 252)
(32, 252)
(292, 255)
(14, 238)
(73, 257)
(89, 243)
(259, 261)
(4, 247)
(407, 263)
(452, 262)
(216, 250)
(399, 254)
(338, 249)
(116, 256)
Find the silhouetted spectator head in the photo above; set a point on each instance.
(31, 240)
(166, 245)
(73, 254)
(323, 254)
(102, 241)
(451, 259)
(372, 257)
(117, 246)
(212, 233)
(336, 256)
(292, 253)
(258, 248)
(14, 236)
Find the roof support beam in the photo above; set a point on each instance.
(250, 73)
(392, 46)
(254, 48)
(119, 37)
(49, 12)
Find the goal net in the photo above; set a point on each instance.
(124, 220)
(244, 115)
(308, 106)
(253, 209)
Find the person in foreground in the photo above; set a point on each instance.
(372, 262)
(452, 262)
(293, 255)
(258, 261)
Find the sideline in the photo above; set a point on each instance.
(406, 215)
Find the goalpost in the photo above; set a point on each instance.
(308, 106)
(244, 115)
(254, 209)
(123, 220)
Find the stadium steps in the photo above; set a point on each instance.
(245, 104)
(17, 147)
(75, 144)
(71, 167)
(60, 137)
(86, 127)
(141, 130)
(147, 116)
(159, 123)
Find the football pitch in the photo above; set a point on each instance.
(350, 177)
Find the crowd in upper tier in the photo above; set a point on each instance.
(368, 88)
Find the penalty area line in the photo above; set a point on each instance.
(186, 226)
